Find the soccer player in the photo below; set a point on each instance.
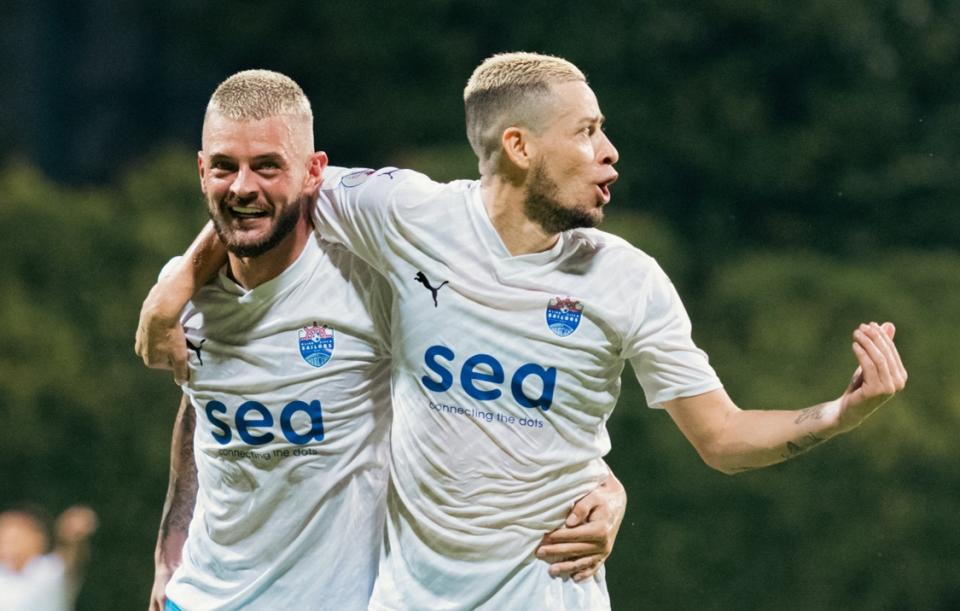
(40, 571)
(512, 321)
(278, 460)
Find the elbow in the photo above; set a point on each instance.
(714, 456)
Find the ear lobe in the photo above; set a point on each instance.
(517, 146)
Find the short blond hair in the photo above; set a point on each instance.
(253, 95)
(510, 89)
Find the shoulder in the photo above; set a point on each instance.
(391, 185)
(609, 252)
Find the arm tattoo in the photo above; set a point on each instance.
(810, 413)
(182, 492)
(799, 446)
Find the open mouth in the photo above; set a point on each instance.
(247, 212)
(604, 188)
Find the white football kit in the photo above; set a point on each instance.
(290, 383)
(505, 370)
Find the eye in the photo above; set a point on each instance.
(223, 166)
(269, 167)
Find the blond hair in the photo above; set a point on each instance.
(253, 95)
(510, 89)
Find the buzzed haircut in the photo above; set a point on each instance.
(254, 95)
(510, 89)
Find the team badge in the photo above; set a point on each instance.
(316, 344)
(563, 315)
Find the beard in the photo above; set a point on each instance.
(543, 206)
(281, 228)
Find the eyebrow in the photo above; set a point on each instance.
(594, 119)
(275, 157)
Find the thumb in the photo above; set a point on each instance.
(578, 515)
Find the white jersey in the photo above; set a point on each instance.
(505, 370)
(290, 382)
(40, 586)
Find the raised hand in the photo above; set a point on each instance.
(879, 377)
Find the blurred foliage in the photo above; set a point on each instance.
(792, 166)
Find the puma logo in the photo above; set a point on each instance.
(422, 279)
(197, 349)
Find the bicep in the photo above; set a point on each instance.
(701, 418)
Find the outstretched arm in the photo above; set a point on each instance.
(160, 341)
(74, 528)
(579, 547)
(732, 440)
(178, 506)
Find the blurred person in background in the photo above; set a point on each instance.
(41, 567)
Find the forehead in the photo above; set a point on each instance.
(225, 136)
(574, 101)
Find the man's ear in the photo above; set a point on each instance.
(202, 170)
(316, 164)
(519, 146)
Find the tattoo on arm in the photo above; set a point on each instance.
(799, 446)
(182, 491)
(810, 413)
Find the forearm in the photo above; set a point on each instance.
(181, 492)
(751, 439)
(199, 264)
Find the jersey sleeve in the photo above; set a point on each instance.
(355, 207)
(660, 348)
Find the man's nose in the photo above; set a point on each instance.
(608, 153)
(244, 185)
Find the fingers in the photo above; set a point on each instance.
(580, 569)
(562, 552)
(889, 329)
(883, 370)
(888, 332)
(591, 532)
(181, 371)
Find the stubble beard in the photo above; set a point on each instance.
(281, 228)
(542, 206)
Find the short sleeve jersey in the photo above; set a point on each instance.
(290, 383)
(506, 369)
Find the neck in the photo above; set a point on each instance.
(503, 200)
(251, 272)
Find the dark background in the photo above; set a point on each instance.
(793, 166)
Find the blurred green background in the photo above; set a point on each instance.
(793, 166)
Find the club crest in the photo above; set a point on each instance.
(563, 315)
(316, 344)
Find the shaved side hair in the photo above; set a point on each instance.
(507, 90)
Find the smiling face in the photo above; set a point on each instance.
(255, 175)
(571, 166)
